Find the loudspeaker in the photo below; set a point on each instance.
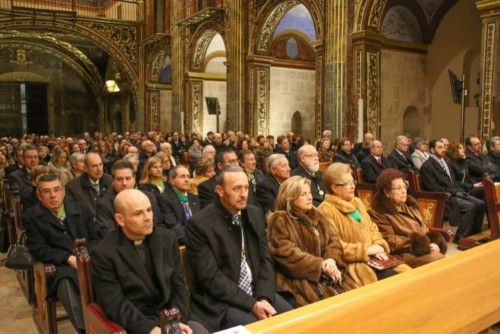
(212, 105)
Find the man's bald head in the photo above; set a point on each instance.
(126, 198)
(133, 214)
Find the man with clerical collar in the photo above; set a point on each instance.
(267, 189)
(308, 160)
(233, 270)
(21, 178)
(123, 177)
(400, 157)
(374, 163)
(180, 204)
(52, 226)
(138, 272)
(89, 186)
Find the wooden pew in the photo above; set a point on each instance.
(44, 312)
(492, 200)
(323, 166)
(95, 320)
(459, 294)
(188, 271)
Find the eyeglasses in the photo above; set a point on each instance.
(400, 188)
(350, 183)
(47, 192)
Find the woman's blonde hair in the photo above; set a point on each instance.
(334, 174)
(289, 191)
(145, 177)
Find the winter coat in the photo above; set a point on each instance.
(299, 244)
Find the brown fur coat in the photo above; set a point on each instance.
(355, 238)
(299, 245)
(406, 231)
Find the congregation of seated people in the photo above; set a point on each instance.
(265, 228)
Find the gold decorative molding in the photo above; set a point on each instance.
(159, 86)
(195, 114)
(200, 50)
(207, 76)
(205, 14)
(374, 36)
(157, 65)
(487, 98)
(376, 12)
(262, 92)
(373, 92)
(486, 5)
(154, 110)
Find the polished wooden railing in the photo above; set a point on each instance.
(459, 294)
(127, 10)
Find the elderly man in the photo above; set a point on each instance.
(206, 189)
(494, 157)
(52, 225)
(308, 160)
(180, 204)
(267, 189)
(91, 185)
(227, 248)
(20, 179)
(374, 163)
(478, 163)
(400, 157)
(76, 161)
(464, 210)
(138, 272)
(122, 174)
(208, 152)
(166, 148)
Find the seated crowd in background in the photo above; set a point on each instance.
(218, 196)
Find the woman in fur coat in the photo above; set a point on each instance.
(399, 219)
(359, 236)
(304, 246)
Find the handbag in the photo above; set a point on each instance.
(391, 262)
(4, 238)
(18, 256)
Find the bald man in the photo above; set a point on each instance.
(138, 272)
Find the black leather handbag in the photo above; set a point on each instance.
(18, 256)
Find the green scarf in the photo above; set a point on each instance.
(355, 215)
(181, 196)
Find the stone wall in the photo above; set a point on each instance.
(214, 89)
(403, 85)
(291, 90)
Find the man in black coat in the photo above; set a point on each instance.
(51, 229)
(283, 147)
(374, 163)
(477, 161)
(494, 157)
(137, 271)
(267, 189)
(233, 270)
(91, 185)
(400, 157)
(308, 160)
(122, 174)
(464, 210)
(180, 204)
(206, 189)
(344, 153)
(18, 158)
(20, 179)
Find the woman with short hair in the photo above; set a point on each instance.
(359, 236)
(304, 245)
(59, 164)
(204, 170)
(398, 217)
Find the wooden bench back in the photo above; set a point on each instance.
(423, 300)
(186, 266)
(492, 196)
(365, 192)
(323, 166)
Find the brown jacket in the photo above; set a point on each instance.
(397, 228)
(299, 245)
(355, 238)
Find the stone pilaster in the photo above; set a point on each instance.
(489, 116)
(335, 66)
(178, 64)
(194, 113)
(258, 91)
(235, 24)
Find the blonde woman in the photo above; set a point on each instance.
(152, 178)
(59, 164)
(359, 236)
(205, 169)
(305, 247)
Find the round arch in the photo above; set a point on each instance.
(272, 13)
(200, 42)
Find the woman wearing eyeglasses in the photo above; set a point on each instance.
(397, 215)
(305, 247)
(359, 236)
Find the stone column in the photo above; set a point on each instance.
(178, 65)
(259, 79)
(235, 23)
(335, 66)
(489, 111)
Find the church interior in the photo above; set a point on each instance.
(420, 68)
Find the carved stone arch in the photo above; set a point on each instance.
(368, 14)
(200, 42)
(95, 83)
(101, 34)
(157, 65)
(273, 12)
